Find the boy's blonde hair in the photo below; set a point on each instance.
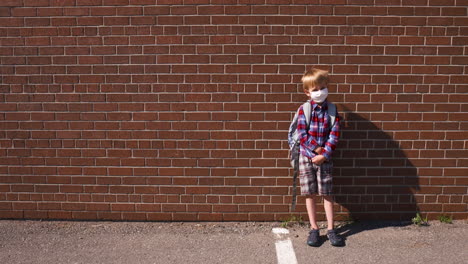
(314, 77)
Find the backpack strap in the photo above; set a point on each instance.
(332, 112)
(307, 109)
(296, 172)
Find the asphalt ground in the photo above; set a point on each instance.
(34, 241)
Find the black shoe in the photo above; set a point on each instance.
(335, 239)
(314, 238)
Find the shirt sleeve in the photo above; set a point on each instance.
(332, 140)
(303, 135)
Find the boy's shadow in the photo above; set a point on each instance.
(373, 178)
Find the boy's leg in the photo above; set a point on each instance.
(335, 239)
(325, 189)
(328, 206)
(311, 211)
(307, 177)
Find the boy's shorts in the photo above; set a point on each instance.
(315, 179)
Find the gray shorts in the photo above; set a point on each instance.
(315, 179)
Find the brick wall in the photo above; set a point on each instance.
(179, 110)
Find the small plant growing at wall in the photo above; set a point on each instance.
(349, 220)
(345, 220)
(291, 220)
(418, 220)
(445, 219)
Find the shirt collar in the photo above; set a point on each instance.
(315, 105)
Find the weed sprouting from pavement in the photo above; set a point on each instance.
(445, 219)
(291, 220)
(418, 220)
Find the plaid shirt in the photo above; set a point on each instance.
(319, 134)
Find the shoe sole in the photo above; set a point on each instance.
(337, 245)
(313, 245)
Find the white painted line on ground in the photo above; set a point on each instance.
(280, 230)
(284, 247)
(285, 252)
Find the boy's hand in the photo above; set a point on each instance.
(318, 150)
(319, 159)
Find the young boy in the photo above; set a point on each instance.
(316, 148)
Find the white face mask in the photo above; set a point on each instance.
(319, 96)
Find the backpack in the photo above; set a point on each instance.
(294, 140)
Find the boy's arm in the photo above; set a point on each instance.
(302, 130)
(332, 140)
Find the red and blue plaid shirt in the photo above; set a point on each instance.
(320, 134)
